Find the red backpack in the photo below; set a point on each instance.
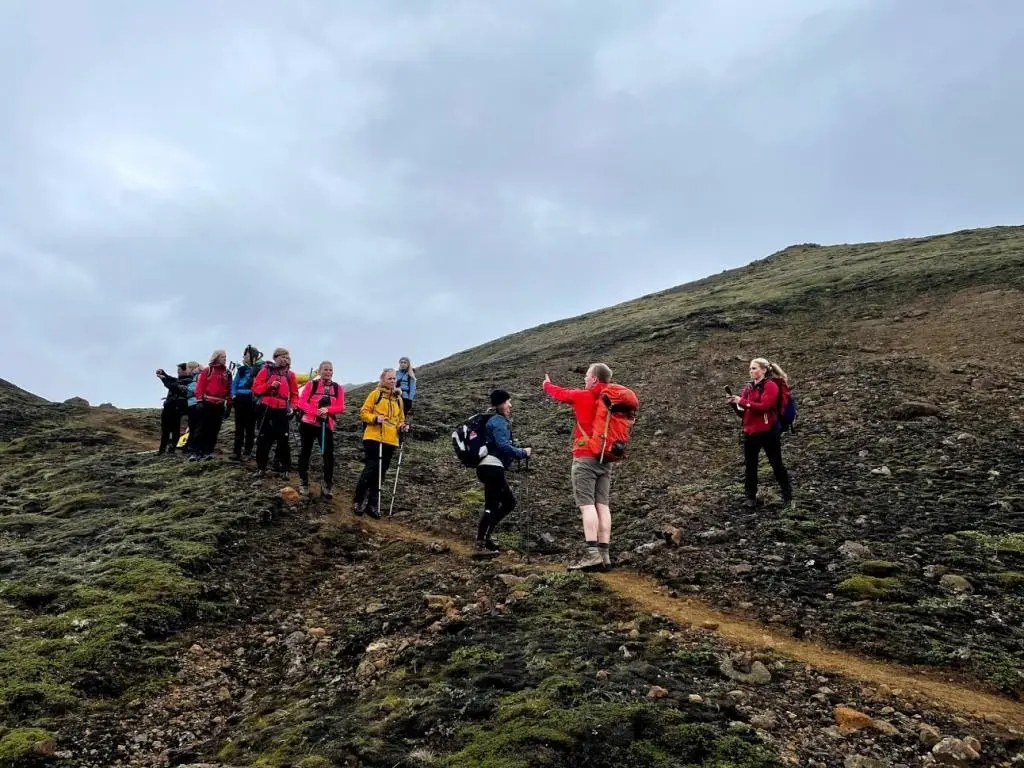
(614, 418)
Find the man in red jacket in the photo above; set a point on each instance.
(591, 480)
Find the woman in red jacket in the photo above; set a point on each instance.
(759, 404)
(213, 396)
(321, 400)
(277, 388)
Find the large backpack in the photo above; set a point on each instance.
(469, 439)
(615, 416)
(786, 407)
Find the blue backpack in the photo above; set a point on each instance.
(786, 408)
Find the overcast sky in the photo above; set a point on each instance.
(365, 179)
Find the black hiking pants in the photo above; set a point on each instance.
(499, 501)
(245, 424)
(308, 435)
(273, 428)
(772, 445)
(374, 453)
(195, 423)
(170, 427)
(209, 428)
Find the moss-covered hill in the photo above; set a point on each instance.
(155, 612)
(905, 359)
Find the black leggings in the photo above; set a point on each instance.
(209, 428)
(195, 424)
(245, 424)
(374, 453)
(499, 501)
(772, 445)
(170, 427)
(273, 428)
(309, 434)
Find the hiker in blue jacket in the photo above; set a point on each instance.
(244, 404)
(405, 380)
(499, 501)
(193, 409)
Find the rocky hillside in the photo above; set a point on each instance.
(156, 613)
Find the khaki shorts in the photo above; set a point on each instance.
(591, 481)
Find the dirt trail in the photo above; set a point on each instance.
(943, 690)
(935, 688)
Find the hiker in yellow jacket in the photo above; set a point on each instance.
(384, 417)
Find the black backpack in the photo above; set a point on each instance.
(469, 439)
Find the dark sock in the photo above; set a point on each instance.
(601, 546)
(591, 543)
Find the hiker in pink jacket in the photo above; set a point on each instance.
(321, 400)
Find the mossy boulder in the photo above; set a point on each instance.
(25, 747)
(863, 587)
(879, 568)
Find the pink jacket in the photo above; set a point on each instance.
(309, 402)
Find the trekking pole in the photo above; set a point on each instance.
(526, 508)
(398, 469)
(380, 466)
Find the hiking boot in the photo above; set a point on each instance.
(591, 561)
(750, 503)
(246, 456)
(195, 457)
(492, 545)
(481, 551)
(259, 474)
(303, 489)
(325, 491)
(372, 511)
(606, 558)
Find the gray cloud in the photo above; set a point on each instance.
(348, 180)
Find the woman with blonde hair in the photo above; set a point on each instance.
(760, 404)
(320, 401)
(213, 398)
(405, 380)
(384, 416)
(278, 390)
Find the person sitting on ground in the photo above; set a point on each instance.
(175, 405)
(499, 501)
(320, 401)
(192, 409)
(244, 404)
(384, 416)
(278, 391)
(591, 480)
(405, 380)
(213, 395)
(759, 404)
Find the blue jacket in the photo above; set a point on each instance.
(191, 390)
(499, 441)
(242, 383)
(407, 383)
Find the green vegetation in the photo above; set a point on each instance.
(869, 588)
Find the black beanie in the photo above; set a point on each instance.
(498, 397)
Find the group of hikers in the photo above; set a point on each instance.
(264, 394)
(265, 397)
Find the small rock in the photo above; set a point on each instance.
(657, 692)
(954, 583)
(758, 674)
(672, 535)
(860, 761)
(740, 568)
(929, 736)
(884, 726)
(290, 496)
(854, 550)
(850, 720)
(709, 625)
(766, 721)
(510, 579)
(318, 632)
(954, 752)
(973, 743)
(935, 571)
(651, 546)
(695, 698)
(913, 410)
(883, 470)
(196, 649)
(602, 674)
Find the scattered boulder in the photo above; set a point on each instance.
(849, 720)
(657, 692)
(879, 568)
(672, 535)
(290, 496)
(956, 584)
(854, 550)
(79, 402)
(742, 669)
(929, 736)
(935, 571)
(883, 470)
(914, 409)
(955, 752)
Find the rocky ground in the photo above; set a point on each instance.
(155, 612)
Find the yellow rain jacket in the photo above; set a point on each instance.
(382, 402)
